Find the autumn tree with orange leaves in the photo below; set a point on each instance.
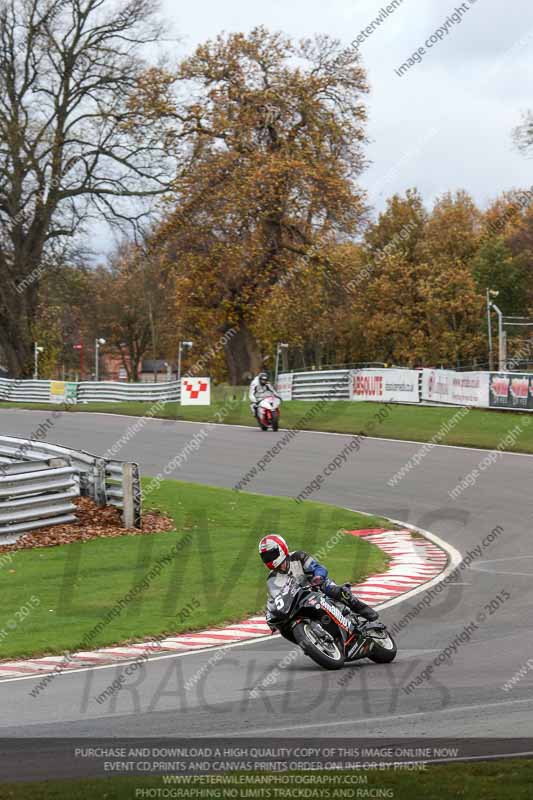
(271, 146)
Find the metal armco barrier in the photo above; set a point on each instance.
(318, 385)
(36, 495)
(106, 481)
(28, 391)
(92, 392)
(24, 391)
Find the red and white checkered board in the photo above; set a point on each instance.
(195, 391)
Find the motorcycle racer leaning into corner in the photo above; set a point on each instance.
(260, 388)
(275, 555)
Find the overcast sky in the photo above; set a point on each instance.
(447, 123)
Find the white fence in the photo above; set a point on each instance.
(92, 392)
(107, 481)
(19, 391)
(193, 391)
(28, 391)
(504, 390)
(507, 390)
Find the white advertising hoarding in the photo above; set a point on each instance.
(458, 388)
(195, 392)
(385, 385)
(284, 385)
(63, 392)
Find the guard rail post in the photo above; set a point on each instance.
(99, 487)
(128, 510)
(137, 495)
(131, 491)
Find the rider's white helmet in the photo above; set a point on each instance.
(273, 550)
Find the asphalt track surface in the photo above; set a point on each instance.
(463, 697)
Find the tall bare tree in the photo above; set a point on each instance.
(68, 151)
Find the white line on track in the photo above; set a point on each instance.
(366, 720)
(38, 678)
(482, 566)
(281, 430)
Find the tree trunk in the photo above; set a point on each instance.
(15, 333)
(242, 356)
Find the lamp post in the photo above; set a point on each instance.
(180, 348)
(36, 351)
(79, 348)
(97, 343)
(492, 293)
(282, 346)
(502, 344)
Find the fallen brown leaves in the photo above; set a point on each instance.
(93, 523)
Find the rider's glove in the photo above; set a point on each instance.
(317, 581)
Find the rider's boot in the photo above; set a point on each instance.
(344, 594)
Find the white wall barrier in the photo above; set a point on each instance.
(196, 390)
(385, 385)
(507, 390)
(331, 384)
(284, 385)
(511, 391)
(116, 392)
(456, 388)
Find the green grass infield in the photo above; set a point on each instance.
(204, 573)
(496, 780)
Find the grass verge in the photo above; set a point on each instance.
(477, 428)
(499, 780)
(208, 570)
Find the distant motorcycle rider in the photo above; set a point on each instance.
(281, 562)
(260, 388)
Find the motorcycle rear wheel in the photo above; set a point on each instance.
(331, 657)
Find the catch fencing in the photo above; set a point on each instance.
(502, 390)
(47, 469)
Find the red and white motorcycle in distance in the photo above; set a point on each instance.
(268, 413)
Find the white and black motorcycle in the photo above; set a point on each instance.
(328, 632)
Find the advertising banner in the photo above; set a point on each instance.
(457, 388)
(436, 385)
(511, 390)
(195, 391)
(63, 392)
(385, 385)
(284, 385)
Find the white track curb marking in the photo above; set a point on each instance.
(407, 557)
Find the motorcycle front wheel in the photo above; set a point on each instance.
(384, 647)
(263, 427)
(323, 652)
